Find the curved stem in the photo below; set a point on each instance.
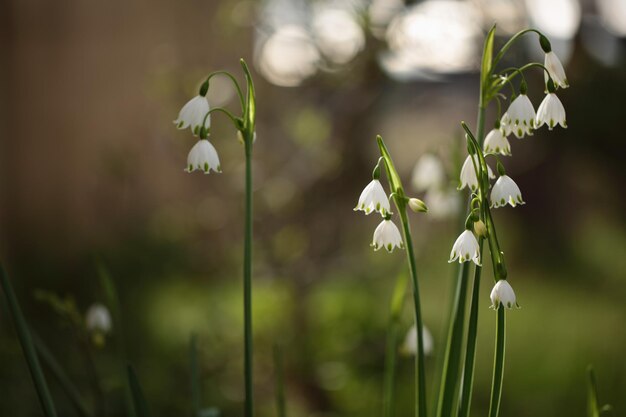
(498, 366)
(420, 372)
(242, 101)
(510, 43)
(247, 280)
(236, 121)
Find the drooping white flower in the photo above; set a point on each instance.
(203, 156)
(373, 198)
(496, 142)
(98, 319)
(521, 116)
(387, 236)
(505, 191)
(551, 112)
(428, 173)
(468, 174)
(193, 114)
(503, 294)
(555, 68)
(465, 248)
(410, 341)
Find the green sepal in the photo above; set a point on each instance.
(486, 65)
(545, 44)
(249, 116)
(204, 88)
(139, 401)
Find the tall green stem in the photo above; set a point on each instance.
(498, 363)
(247, 280)
(397, 302)
(420, 372)
(470, 351)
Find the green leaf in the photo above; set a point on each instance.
(139, 401)
(250, 111)
(394, 178)
(593, 408)
(280, 383)
(28, 347)
(64, 381)
(196, 398)
(486, 65)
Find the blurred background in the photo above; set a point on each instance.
(92, 180)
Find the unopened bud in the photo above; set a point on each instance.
(480, 228)
(417, 205)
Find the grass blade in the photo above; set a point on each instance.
(196, 390)
(27, 346)
(64, 381)
(397, 303)
(139, 401)
(280, 383)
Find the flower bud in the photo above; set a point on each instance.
(480, 228)
(417, 205)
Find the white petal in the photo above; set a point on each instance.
(551, 112)
(387, 236)
(203, 157)
(505, 191)
(193, 114)
(503, 294)
(465, 248)
(373, 198)
(468, 174)
(555, 68)
(497, 143)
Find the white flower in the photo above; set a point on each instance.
(193, 114)
(521, 116)
(410, 341)
(373, 198)
(417, 205)
(428, 173)
(203, 156)
(502, 293)
(387, 236)
(465, 248)
(551, 112)
(505, 191)
(496, 142)
(555, 68)
(505, 125)
(98, 319)
(468, 174)
(442, 204)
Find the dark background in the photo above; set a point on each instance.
(91, 169)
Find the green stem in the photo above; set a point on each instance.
(467, 382)
(28, 347)
(510, 43)
(194, 366)
(247, 279)
(420, 372)
(235, 83)
(498, 365)
(397, 302)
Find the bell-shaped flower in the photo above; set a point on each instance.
(555, 69)
(442, 203)
(468, 173)
(505, 191)
(428, 173)
(503, 294)
(98, 319)
(387, 236)
(465, 248)
(551, 112)
(410, 341)
(497, 143)
(194, 114)
(203, 157)
(520, 116)
(373, 198)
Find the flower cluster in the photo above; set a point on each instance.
(196, 115)
(374, 199)
(520, 119)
